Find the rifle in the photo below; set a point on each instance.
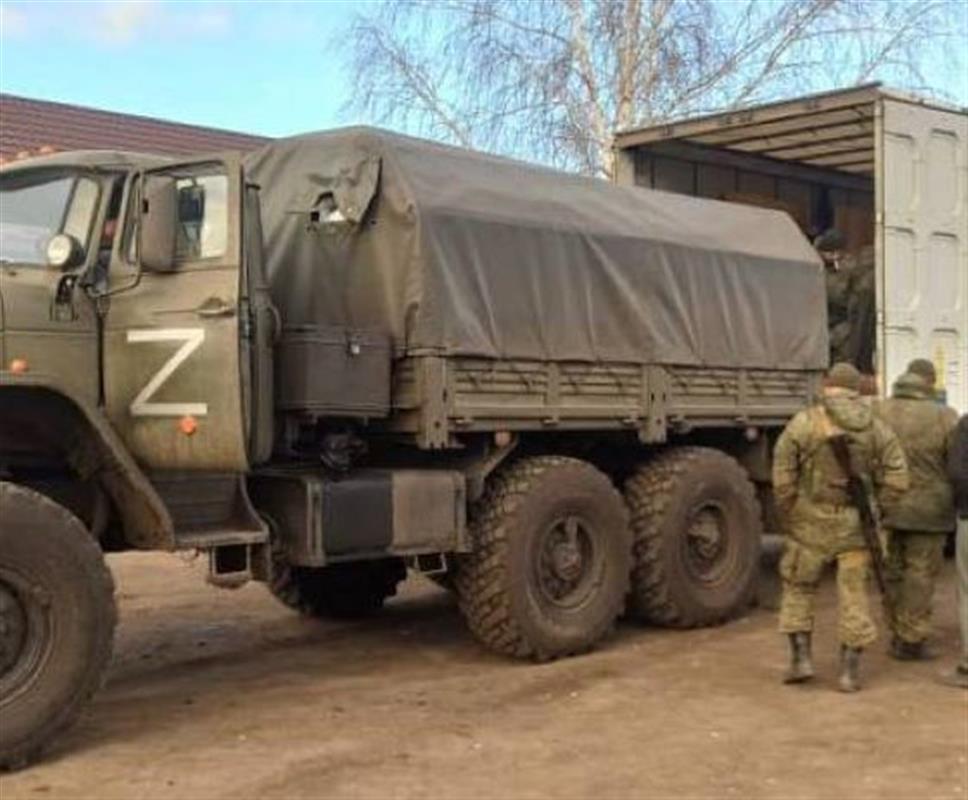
(869, 518)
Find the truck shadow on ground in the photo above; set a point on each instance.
(184, 667)
(170, 668)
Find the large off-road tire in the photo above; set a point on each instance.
(697, 529)
(444, 580)
(339, 591)
(57, 618)
(549, 569)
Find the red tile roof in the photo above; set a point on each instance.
(35, 127)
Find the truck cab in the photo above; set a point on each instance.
(117, 311)
(126, 293)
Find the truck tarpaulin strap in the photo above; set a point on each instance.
(462, 253)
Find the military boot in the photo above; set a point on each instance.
(801, 663)
(849, 669)
(911, 651)
(958, 677)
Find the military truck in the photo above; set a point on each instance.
(352, 353)
(886, 169)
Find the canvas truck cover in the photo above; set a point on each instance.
(454, 252)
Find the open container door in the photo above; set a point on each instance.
(922, 242)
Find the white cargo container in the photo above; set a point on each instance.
(888, 169)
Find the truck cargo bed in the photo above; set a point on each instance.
(435, 397)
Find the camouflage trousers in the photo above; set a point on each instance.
(962, 562)
(913, 562)
(802, 568)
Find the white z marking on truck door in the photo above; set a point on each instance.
(142, 406)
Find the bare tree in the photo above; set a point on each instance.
(553, 79)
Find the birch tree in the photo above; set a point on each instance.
(552, 80)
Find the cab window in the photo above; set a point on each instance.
(202, 217)
(33, 208)
(202, 209)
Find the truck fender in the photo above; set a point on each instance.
(94, 450)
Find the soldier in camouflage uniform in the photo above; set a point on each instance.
(861, 308)
(925, 370)
(830, 246)
(917, 526)
(821, 524)
(851, 300)
(958, 474)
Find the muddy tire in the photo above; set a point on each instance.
(549, 571)
(57, 619)
(339, 591)
(697, 529)
(444, 581)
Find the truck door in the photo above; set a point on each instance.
(172, 333)
(922, 241)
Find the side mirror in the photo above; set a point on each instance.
(157, 228)
(64, 251)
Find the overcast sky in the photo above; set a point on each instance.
(268, 68)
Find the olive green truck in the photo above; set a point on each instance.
(353, 353)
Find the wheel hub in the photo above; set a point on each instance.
(706, 546)
(13, 628)
(565, 561)
(706, 533)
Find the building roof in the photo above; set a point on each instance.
(31, 127)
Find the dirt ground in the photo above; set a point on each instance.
(220, 694)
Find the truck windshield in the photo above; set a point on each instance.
(35, 208)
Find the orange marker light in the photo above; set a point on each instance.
(188, 425)
(18, 366)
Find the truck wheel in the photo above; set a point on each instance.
(697, 530)
(57, 619)
(339, 591)
(444, 581)
(549, 570)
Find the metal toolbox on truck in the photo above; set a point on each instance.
(326, 370)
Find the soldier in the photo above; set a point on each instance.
(925, 370)
(851, 303)
(820, 522)
(861, 309)
(918, 524)
(830, 246)
(958, 473)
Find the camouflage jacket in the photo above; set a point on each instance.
(852, 277)
(958, 466)
(850, 289)
(926, 430)
(811, 488)
(837, 282)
